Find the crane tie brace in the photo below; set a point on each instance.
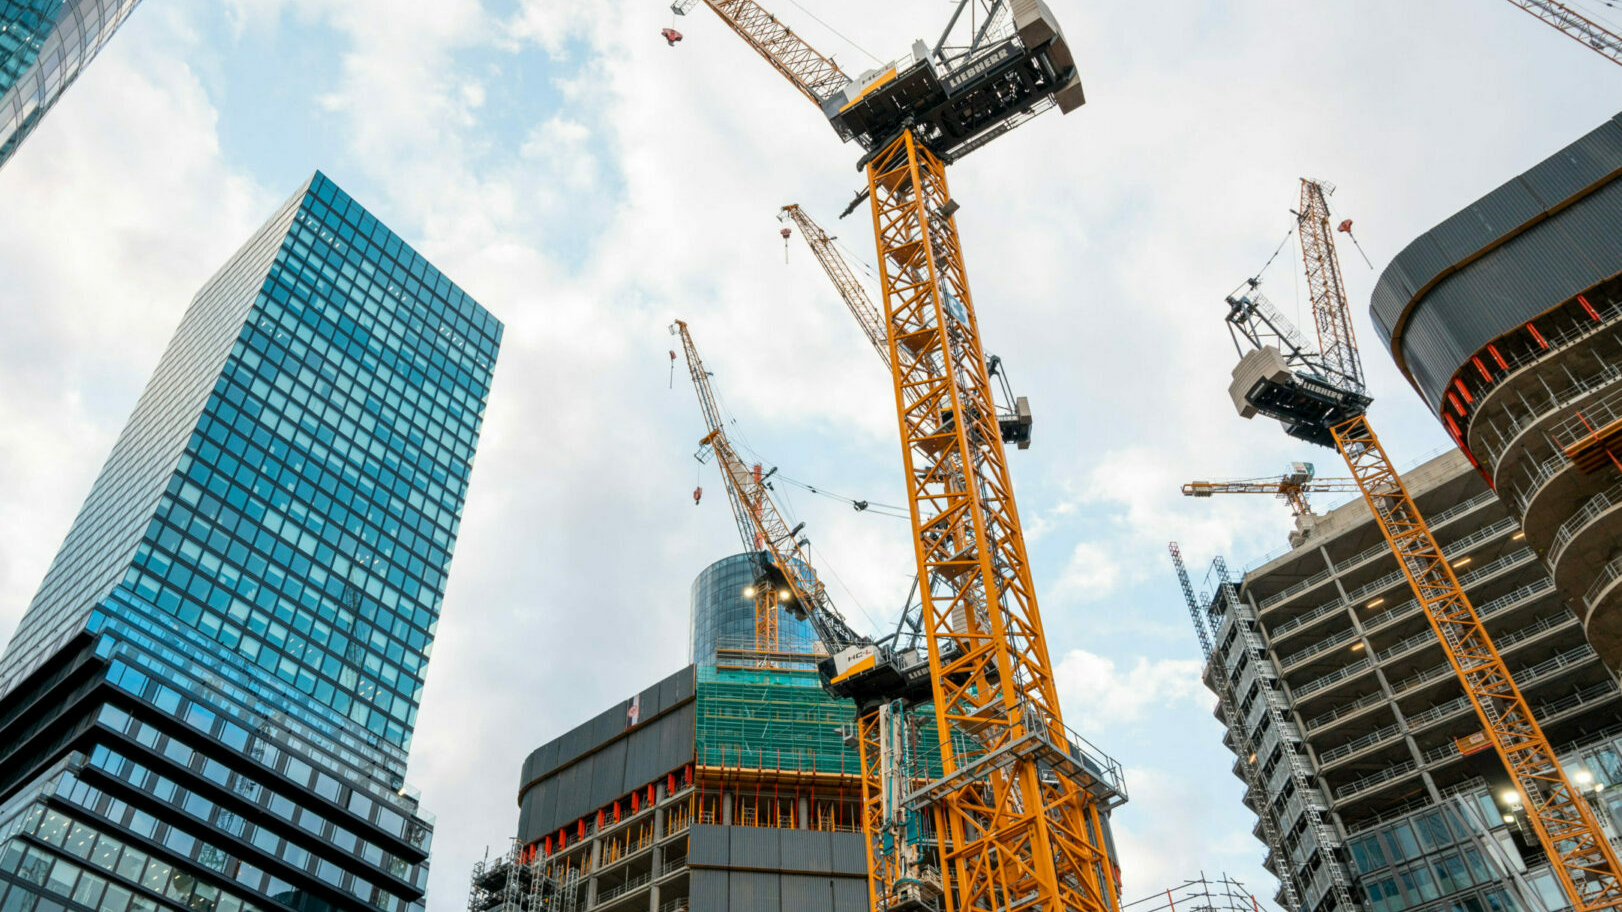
(1018, 818)
(1296, 385)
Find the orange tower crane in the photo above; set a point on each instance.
(1318, 396)
(1018, 813)
(1292, 487)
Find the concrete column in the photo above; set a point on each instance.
(726, 809)
(653, 899)
(596, 863)
(805, 812)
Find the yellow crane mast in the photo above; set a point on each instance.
(1319, 397)
(1018, 812)
(1014, 419)
(1292, 487)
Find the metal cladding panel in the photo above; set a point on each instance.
(608, 774)
(1595, 227)
(1546, 186)
(753, 891)
(1577, 166)
(849, 853)
(679, 686)
(540, 761)
(573, 788)
(1526, 276)
(806, 893)
(807, 850)
(609, 723)
(850, 894)
(708, 891)
(1486, 221)
(709, 846)
(575, 741)
(756, 847)
(651, 704)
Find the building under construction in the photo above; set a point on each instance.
(729, 785)
(1364, 760)
(1505, 319)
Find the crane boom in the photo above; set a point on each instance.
(1337, 344)
(1583, 859)
(1576, 26)
(817, 77)
(851, 291)
(1291, 492)
(760, 522)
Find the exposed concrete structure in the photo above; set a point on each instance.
(1392, 750)
(1505, 318)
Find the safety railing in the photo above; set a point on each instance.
(1296, 622)
(1607, 575)
(1440, 711)
(1318, 648)
(1295, 589)
(1592, 508)
(1363, 784)
(1422, 677)
(1356, 745)
(1339, 712)
(1317, 684)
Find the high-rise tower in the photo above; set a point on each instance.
(43, 46)
(209, 703)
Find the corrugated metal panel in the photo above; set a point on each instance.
(574, 786)
(609, 723)
(807, 850)
(1594, 227)
(709, 846)
(805, 893)
(1578, 165)
(575, 741)
(753, 891)
(608, 774)
(850, 894)
(756, 847)
(709, 891)
(541, 761)
(849, 853)
(1548, 184)
(652, 702)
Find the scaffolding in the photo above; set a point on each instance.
(517, 881)
(1224, 894)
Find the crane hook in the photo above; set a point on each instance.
(670, 35)
(698, 494)
(786, 232)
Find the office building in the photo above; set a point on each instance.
(209, 703)
(1505, 319)
(723, 615)
(44, 44)
(1364, 760)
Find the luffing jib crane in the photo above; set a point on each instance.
(1319, 396)
(1018, 812)
(1292, 487)
(1014, 417)
(885, 678)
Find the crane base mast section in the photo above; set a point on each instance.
(1579, 851)
(1018, 827)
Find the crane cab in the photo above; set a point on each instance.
(1306, 405)
(957, 102)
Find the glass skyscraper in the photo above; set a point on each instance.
(723, 612)
(209, 703)
(43, 46)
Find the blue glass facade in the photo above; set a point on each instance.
(723, 617)
(222, 668)
(43, 46)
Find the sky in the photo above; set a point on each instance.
(588, 184)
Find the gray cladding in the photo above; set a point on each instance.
(606, 757)
(1549, 235)
(757, 869)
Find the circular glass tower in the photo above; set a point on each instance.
(723, 616)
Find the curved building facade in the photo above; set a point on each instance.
(1507, 319)
(723, 616)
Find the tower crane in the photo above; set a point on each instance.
(1014, 417)
(1292, 487)
(1319, 396)
(1574, 25)
(886, 678)
(1019, 813)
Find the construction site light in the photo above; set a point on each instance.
(782, 595)
(749, 592)
(1356, 646)
(1511, 798)
(1462, 561)
(1376, 603)
(1582, 777)
(1509, 818)
(1518, 535)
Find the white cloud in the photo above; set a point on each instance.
(1091, 574)
(1099, 694)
